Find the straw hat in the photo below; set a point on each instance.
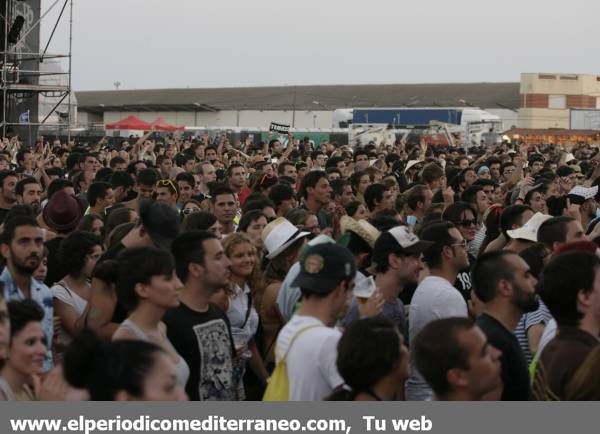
(279, 235)
(365, 230)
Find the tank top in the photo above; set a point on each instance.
(181, 367)
(6, 390)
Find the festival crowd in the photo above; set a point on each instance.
(174, 268)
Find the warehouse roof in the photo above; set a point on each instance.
(484, 95)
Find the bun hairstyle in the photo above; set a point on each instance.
(106, 368)
(132, 266)
(368, 351)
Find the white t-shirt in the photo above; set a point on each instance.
(311, 362)
(435, 298)
(62, 292)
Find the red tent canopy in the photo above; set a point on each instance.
(160, 124)
(129, 123)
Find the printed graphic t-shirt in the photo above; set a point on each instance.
(204, 340)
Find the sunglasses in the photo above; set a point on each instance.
(189, 211)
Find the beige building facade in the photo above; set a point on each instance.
(547, 99)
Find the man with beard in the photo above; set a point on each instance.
(456, 359)
(22, 248)
(198, 329)
(435, 297)
(207, 174)
(29, 192)
(503, 282)
(4, 328)
(8, 183)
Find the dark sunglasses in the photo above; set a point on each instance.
(189, 211)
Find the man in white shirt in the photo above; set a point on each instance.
(435, 297)
(308, 342)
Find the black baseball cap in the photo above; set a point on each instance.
(564, 171)
(323, 267)
(160, 221)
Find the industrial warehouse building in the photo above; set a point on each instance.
(304, 107)
(537, 101)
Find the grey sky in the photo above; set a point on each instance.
(202, 43)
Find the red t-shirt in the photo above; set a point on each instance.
(243, 195)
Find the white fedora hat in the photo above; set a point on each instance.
(279, 235)
(530, 229)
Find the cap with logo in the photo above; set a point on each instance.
(323, 267)
(578, 195)
(398, 240)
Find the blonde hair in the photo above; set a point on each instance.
(235, 239)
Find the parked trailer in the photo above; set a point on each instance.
(584, 119)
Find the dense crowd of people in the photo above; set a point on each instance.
(194, 268)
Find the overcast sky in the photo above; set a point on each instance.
(202, 43)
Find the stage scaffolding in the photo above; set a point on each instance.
(21, 79)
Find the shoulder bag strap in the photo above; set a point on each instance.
(298, 333)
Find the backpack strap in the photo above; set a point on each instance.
(248, 310)
(63, 285)
(298, 333)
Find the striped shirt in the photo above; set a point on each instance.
(540, 316)
(477, 242)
